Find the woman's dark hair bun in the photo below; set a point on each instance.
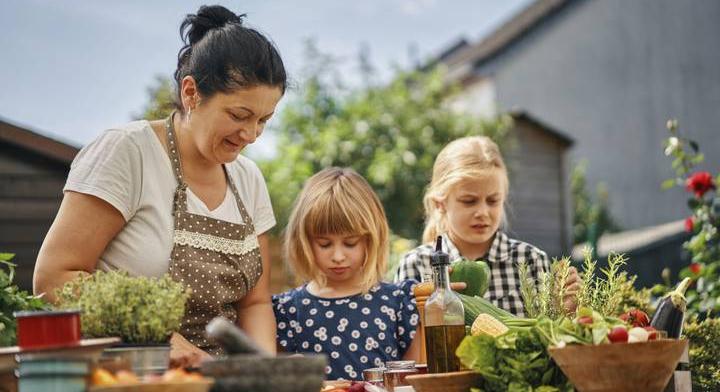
(208, 17)
(222, 55)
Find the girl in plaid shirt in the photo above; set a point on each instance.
(465, 204)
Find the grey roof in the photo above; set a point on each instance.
(38, 143)
(525, 116)
(460, 56)
(634, 240)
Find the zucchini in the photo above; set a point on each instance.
(474, 306)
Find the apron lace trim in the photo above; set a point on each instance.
(216, 244)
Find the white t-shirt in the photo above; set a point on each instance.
(129, 168)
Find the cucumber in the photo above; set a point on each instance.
(474, 306)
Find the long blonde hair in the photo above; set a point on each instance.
(465, 158)
(337, 201)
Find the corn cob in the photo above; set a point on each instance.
(487, 325)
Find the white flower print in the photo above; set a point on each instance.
(335, 355)
(363, 324)
(318, 348)
(281, 325)
(329, 314)
(305, 345)
(313, 311)
(309, 322)
(355, 334)
(353, 347)
(352, 305)
(305, 301)
(365, 311)
(336, 340)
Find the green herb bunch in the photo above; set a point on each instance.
(140, 310)
(515, 361)
(12, 299)
(704, 348)
(603, 293)
(546, 297)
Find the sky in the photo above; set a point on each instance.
(72, 68)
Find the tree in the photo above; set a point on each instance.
(388, 133)
(591, 217)
(161, 100)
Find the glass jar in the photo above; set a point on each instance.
(395, 373)
(374, 376)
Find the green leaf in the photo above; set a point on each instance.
(669, 183)
(477, 352)
(6, 256)
(693, 144)
(693, 203)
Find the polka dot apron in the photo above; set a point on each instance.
(220, 261)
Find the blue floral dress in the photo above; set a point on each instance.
(357, 332)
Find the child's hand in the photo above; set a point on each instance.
(572, 286)
(456, 286)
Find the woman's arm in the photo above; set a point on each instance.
(413, 352)
(80, 233)
(255, 313)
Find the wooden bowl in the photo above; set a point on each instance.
(444, 382)
(184, 386)
(620, 367)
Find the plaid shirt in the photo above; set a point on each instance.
(502, 257)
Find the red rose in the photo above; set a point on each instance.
(695, 268)
(699, 183)
(689, 224)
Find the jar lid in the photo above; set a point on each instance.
(400, 365)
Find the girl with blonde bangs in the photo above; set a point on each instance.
(337, 244)
(340, 202)
(464, 204)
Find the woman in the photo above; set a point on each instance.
(174, 196)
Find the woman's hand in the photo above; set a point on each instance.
(572, 286)
(185, 354)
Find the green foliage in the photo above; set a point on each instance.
(603, 293)
(398, 247)
(632, 298)
(12, 299)
(515, 361)
(704, 348)
(591, 216)
(161, 100)
(545, 297)
(390, 134)
(703, 223)
(140, 310)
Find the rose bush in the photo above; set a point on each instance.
(704, 222)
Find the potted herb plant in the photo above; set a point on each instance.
(143, 311)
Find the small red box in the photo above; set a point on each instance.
(46, 329)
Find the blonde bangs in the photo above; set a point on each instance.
(337, 201)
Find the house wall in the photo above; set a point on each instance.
(609, 74)
(30, 195)
(537, 206)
